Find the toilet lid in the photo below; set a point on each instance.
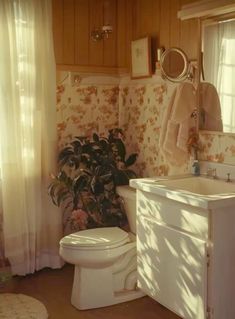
(97, 237)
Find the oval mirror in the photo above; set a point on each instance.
(174, 65)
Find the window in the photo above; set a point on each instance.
(219, 66)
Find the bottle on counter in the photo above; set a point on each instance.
(196, 168)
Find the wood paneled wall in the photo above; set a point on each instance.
(73, 21)
(158, 18)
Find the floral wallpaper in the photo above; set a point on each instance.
(85, 109)
(135, 106)
(141, 109)
(217, 147)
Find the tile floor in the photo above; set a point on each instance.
(53, 288)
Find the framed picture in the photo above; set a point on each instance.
(141, 58)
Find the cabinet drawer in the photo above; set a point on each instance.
(175, 214)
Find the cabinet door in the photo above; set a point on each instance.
(172, 268)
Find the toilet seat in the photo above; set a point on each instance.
(96, 239)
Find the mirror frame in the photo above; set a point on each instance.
(185, 72)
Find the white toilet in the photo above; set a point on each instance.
(105, 261)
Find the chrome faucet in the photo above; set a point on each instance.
(211, 172)
(228, 178)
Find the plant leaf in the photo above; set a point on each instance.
(80, 183)
(64, 155)
(97, 186)
(62, 195)
(121, 149)
(96, 137)
(131, 159)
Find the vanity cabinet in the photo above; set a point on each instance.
(186, 256)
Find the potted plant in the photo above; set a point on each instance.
(89, 171)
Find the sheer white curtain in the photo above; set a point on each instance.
(219, 67)
(32, 225)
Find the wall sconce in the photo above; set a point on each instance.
(98, 35)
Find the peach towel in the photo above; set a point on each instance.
(176, 123)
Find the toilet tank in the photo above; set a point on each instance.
(128, 195)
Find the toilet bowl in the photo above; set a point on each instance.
(105, 261)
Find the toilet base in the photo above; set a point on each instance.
(93, 288)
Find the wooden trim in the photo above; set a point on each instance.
(206, 8)
(218, 18)
(204, 132)
(91, 69)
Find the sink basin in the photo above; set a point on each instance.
(199, 185)
(194, 190)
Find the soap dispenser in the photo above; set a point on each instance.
(196, 168)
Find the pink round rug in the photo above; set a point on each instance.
(20, 306)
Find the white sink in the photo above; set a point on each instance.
(194, 190)
(185, 243)
(199, 185)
